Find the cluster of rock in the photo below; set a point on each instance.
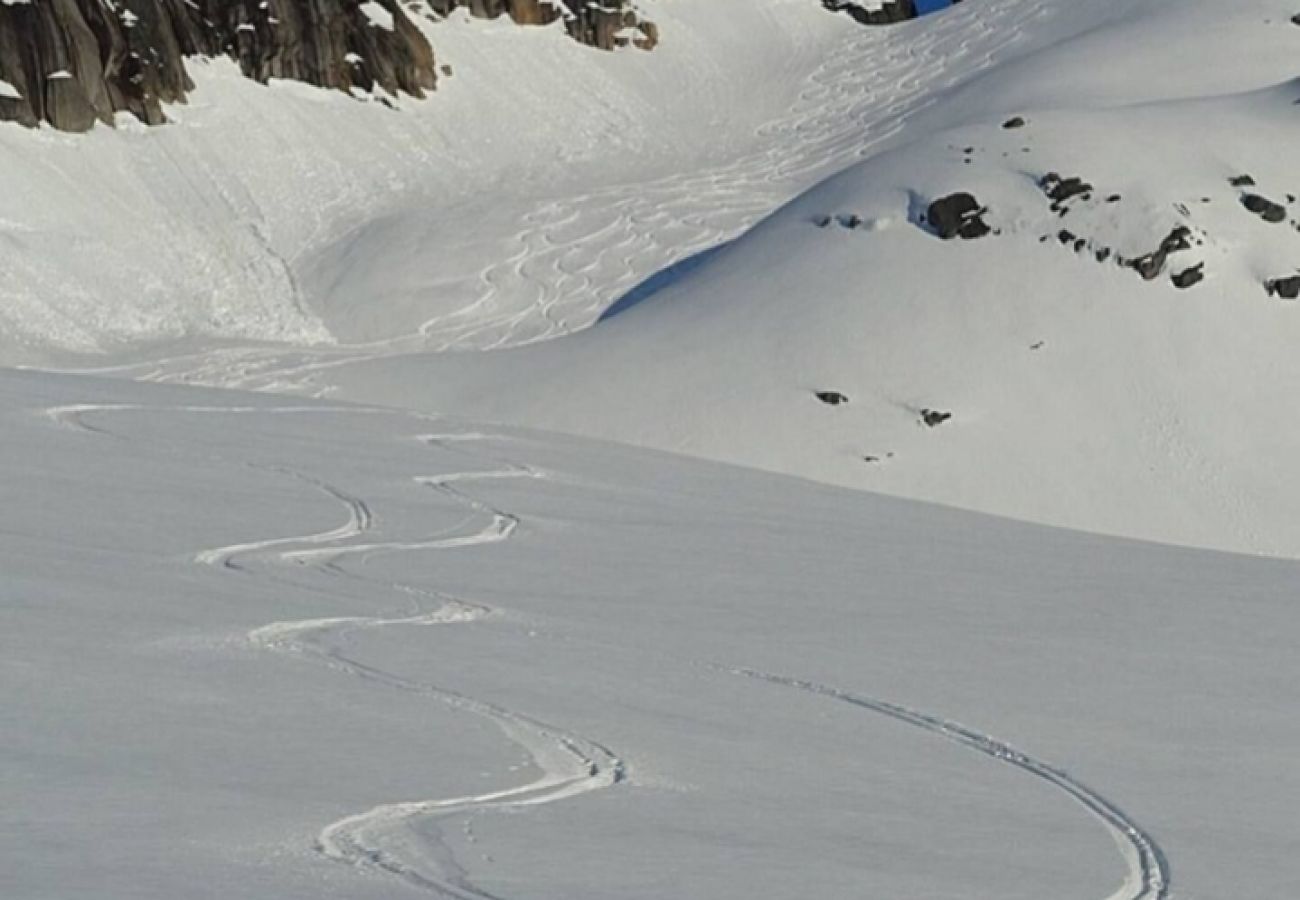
(72, 63)
(606, 24)
(881, 12)
(958, 215)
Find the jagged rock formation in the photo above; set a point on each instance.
(72, 63)
(880, 12)
(607, 24)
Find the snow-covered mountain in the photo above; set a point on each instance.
(1113, 354)
(1083, 386)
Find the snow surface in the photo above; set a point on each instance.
(268, 648)
(272, 647)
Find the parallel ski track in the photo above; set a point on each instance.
(384, 838)
(1149, 875)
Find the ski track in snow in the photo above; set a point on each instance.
(576, 255)
(1149, 875)
(384, 838)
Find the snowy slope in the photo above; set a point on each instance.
(538, 184)
(1080, 394)
(261, 649)
(245, 218)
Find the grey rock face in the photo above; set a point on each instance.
(607, 24)
(73, 63)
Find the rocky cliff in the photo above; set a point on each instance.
(72, 63)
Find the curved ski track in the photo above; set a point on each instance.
(1149, 875)
(576, 254)
(382, 838)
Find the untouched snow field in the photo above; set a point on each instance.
(261, 648)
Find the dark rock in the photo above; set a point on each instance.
(1066, 237)
(1151, 265)
(889, 12)
(934, 418)
(1264, 208)
(1114, 198)
(1189, 277)
(1014, 122)
(850, 221)
(821, 221)
(958, 216)
(1286, 288)
(1241, 181)
(607, 25)
(832, 398)
(1103, 254)
(1059, 189)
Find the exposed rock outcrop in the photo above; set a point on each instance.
(1152, 264)
(1264, 208)
(1286, 288)
(72, 63)
(957, 216)
(607, 24)
(1189, 277)
(885, 12)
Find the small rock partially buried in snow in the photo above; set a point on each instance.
(832, 398)
(958, 216)
(1189, 277)
(1286, 288)
(1265, 208)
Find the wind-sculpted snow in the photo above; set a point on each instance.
(1149, 873)
(381, 838)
